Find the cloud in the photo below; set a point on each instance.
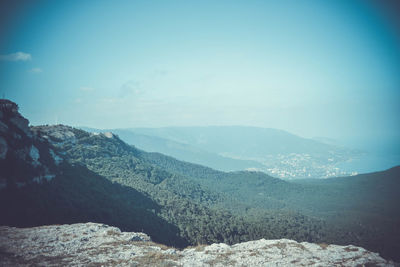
(130, 88)
(36, 70)
(86, 88)
(18, 56)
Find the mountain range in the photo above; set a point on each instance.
(233, 148)
(55, 174)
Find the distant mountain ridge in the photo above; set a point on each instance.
(180, 150)
(233, 148)
(222, 138)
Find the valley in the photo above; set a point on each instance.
(98, 177)
(233, 148)
(199, 133)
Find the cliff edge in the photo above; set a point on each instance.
(92, 244)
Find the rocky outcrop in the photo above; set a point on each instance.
(22, 124)
(24, 156)
(56, 134)
(94, 244)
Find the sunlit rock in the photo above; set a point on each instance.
(98, 244)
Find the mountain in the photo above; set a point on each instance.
(181, 151)
(273, 151)
(23, 158)
(98, 177)
(378, 191)
(102, 245)
(202, 214)
(38, 186)
(365, 206)
(303, 211)
(229, 140)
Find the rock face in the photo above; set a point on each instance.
(94, 244)
(56, 134)
(25, 157)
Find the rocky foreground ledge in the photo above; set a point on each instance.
(92, 244)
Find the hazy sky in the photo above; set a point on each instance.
(314, 68)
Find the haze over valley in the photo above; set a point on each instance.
(232, 148)
(199, 133)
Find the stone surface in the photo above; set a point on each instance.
(20, 146)
(58, 134)
(57, 159)
(109, 134)
(22, 124)
(95, 244)
(35, 155)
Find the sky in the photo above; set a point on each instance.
(313, 68)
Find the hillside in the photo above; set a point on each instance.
(373, 192)
(98, 177)
(102, 245)
(75, 176)
(38, 186)
(182, 151)
(275, 152)
(203, 215)
(255, 204)
(363, 206)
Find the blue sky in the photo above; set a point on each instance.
(314, 68)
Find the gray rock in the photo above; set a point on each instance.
(35, 155)
(22, 124)
(59, 134)
(57, 159)
(95, 244)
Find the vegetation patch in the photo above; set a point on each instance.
(158, 259)
(254, 253)
(222, 258)
(298, 245)
(350, 249)
(323, 245)
(113, 232)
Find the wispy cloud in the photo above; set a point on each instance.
(86, 88)
(130, 88)
(36, 70)
(18, 56)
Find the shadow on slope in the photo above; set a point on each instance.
(80, 195)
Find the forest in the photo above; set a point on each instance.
(177, 203)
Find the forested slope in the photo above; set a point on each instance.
(201, 214)
(364, 207)
(103, 179)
